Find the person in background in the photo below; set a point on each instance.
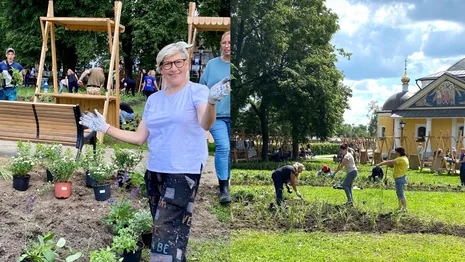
(376, 173)
(9, 90)
(72, 81)
(285, 175)
(400, 165)
(129, 84)
(348, 163)
(149, 85)
(461, 161)
(96, 80)
(219, 70)
(126, 112)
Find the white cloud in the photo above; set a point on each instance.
(351, 16)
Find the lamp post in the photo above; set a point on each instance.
(402, 125)
(201, 48)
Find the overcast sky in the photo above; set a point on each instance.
(380, 34)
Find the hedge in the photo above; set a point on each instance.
(324, 148)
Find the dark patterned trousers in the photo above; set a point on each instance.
(171, 199)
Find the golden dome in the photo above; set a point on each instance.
(405, 79)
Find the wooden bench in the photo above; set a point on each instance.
(44, 123)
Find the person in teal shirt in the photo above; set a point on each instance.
(217, 70)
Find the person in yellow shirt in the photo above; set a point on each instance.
(401, 165)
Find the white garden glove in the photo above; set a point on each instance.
(298, 193)
(96, 122)
(219, 90)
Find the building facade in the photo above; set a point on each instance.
(435, 113)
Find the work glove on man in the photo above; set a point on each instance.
(94, 121)
(219, 91)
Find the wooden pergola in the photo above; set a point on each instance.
(108, 104)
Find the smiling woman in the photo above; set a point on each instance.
(174, 124)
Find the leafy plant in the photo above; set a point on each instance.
(141, 222)
(125, 159)
(45, 250)
(5, 173)
(120, 214)
(125, 241)
(48, 153)
(92, 158)
(101, 173)
(64, 167)
(17, 77)
(24, 161)
(137, 179)
(104, 255)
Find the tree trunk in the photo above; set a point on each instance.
(127, 49)
(295, 149)
(265, 131)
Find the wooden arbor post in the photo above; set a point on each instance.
(107, 104)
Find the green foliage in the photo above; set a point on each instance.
(91, 158)
(5, 173)
(125, 241)
(212, 250)
(325, 148)
(125, 159)
(63, 168)
(17, 77)
(285, 70)
(104, 255)
(120, 214)
(46, 250)
(247, 245)
(137, 180)
(101, 173)
(24, 160)
(141, 222)
(47, 153)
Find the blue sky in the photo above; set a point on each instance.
(380, 34)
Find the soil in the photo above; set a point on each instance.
(79, 218)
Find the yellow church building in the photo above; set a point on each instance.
(435, 112)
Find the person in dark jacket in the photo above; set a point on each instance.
(376, 172)
(285, 175)
(129, 84)
(126, 112)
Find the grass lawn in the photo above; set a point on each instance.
(447, 207)
(249, 245)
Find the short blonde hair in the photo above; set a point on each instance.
(298, 165)
(225, 34)
(171, 50)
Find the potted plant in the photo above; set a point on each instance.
(47, 154)
(46, 250)
(63, 170)
(125, 161)
(21, 165)
(104, 255)
(141, 225)
(120, 215)
(126, 245)
(90, 160)
(100, 174)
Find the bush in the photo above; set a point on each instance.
(324, 148)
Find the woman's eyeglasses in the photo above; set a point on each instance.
(178, 63)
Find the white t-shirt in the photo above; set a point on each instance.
(177, 143)
(350, 166)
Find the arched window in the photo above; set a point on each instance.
(420, 133)
(382, 131)
(460, 133)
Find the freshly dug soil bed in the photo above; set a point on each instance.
(79, 218)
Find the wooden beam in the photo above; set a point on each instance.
(109, 36)
(54, 59)
(190, 26)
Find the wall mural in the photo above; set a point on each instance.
(445, 95)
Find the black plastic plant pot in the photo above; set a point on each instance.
(49, 176)
(147, 239)
(102, 193)
(20, 182)
(133, 257)
(90, 182)
(120, 178)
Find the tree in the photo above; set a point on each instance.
(284, 68)
(373, 109)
